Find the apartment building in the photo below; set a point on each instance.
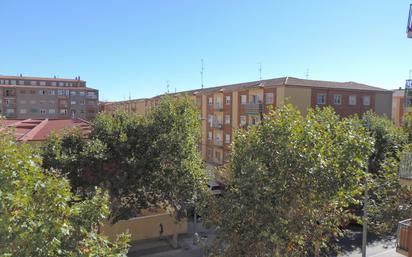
(229, 107)
(53, 98)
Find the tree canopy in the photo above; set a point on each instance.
(141, 161)
(39, 216)
(292, 179)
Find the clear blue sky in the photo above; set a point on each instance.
(121, 46)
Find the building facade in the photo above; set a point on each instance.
(226, 108)
(51, 98)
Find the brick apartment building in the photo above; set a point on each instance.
(51, 98)
(226, 108)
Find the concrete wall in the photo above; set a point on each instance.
(383, 103)
(299, 97)
(145, 227)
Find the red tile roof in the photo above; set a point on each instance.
(40, 129)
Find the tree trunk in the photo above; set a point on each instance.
(175, 236)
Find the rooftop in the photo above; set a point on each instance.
(40, 129)
(41, 78)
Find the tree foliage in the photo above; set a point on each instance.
(389, 201)
(291, 181)
(141, 161)
(39, 216)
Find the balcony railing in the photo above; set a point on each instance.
(217, 125)
(218, 142)
(253, 108)
(405, 166)
(218, 107)
(402, 237)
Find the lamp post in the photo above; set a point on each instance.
(365, 202)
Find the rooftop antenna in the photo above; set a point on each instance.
(167, 86)
(260, 71)
(130, 96)
(307, 74)
(201, 72)
(410, 74)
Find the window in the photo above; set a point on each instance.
(321, 99)
(6, 82)
(243, 99)
(33, 83)
(209, 119)
(63, 111)
(67, 92)
(23, 101)
(72, 102)
(52, 111)
(255, 99)
(268, 98)
(23, 111)
(42, 111)
(209, 152)
(51, 92)
(352, 100)
(210, 101)
(337, 99)
(60, 92)
(42, 83)
(218, 156)
(209, 136)
(242, 120)
(227, 138)
(72, 93)
(12, 82)
(254, 120)
(21, 82)
(82, 93)
(366, 100)
(227, 119)
(42, 92)
(81, 111)
(81, 102)
(61, 84)
(227, 99)
(54, 83)
(9, 111)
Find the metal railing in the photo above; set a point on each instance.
(402, 235)
(405, 166)
(217, 125)
(218, 107)
(253, 108)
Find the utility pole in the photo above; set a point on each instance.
(365, 204)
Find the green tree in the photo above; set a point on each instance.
(39, 216)
(291, 181)
(141, 161)
(389, 201)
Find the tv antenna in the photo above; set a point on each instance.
(201, 72)
(307, 74)
(410, 74)
(167, 86)
(260, 70)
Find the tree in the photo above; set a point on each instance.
(292, 179)
(141, 161)
(389, 201)
(39, 216)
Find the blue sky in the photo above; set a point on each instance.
(136, 46)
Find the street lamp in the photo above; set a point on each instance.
(365, 201)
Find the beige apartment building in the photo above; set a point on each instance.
(229, 107)
(52, 98)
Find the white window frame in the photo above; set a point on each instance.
(336, 97)
(269, 98)
(242, 120)
(210, 136)
(243, 99)
(227, 119)
(227, 138)
(319, 97)
(227, 100)
(52, 111)
(352, 100)
(366, 102)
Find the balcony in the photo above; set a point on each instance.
(218, 142)
(402, 237)
(253, 108)
(218, 107)
(405, 169)
(217, 124)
